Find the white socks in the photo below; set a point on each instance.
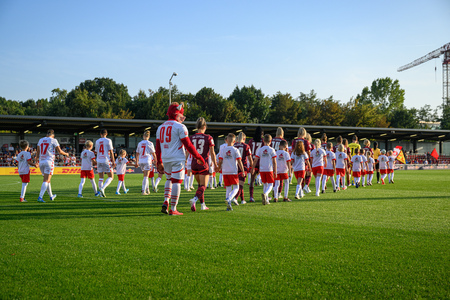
(318, 181)
(268, 188)
(100, 183)
(286, 188)
(43, 189)
(176, 190)
(80, 187)
(145, 185)
(167, 190)
(24, 189)
(106, 182)
(232, 191)
(275, 188)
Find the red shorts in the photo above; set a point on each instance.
(200, 170)
(25, 177)
(383, 171)
(340, 172)
(151, 174)
(121, 177)
(390, 171)
(317, 170)
(356, 174)
(282, 176)
(300, 174)
(328, 172)
(230, 180)
(267, 177)
(369, 172)
(87, 174)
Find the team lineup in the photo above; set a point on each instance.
(180, 157)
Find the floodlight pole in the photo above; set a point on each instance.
(170, 87)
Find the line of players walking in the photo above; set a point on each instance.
(269, 160)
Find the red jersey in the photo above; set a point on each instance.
(368, 149)
(307, 144)
(245, 151)
(254, 146)
(202, 142)
(324, 146)
(276, 143)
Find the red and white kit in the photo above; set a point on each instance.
(229, 156)
(318, 158)
(341, 158)
(103, 147)
(283, 158)
(145, 149)
(47, 147)
(86, 164)
(383, 163)
(328, 170)
(299, 165)
(357, 161)
(121, 167)
(24, 168)
(265, 155)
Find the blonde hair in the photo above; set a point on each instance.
(267, 138)
(317, 142)
(231, 137)
(308, 138)
(122, 151)
(201, 123)
(280, 132)
(23, 144)
(146, 134)
(341, 148)
(88, 144)
(241, 137)
(301, 132)
(389, 153)
(367, 143)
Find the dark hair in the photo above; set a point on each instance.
(259, 132)
(339, 139)
(283, 143)
(50, 132)
(375, 144)
(103, 131)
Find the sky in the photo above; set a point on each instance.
(335, 48)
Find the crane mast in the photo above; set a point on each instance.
(445, 51)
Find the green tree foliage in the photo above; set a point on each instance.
(385, 94)
(284, 109)
(445, 119)
(10, 107)
(309, 109)
(362, 115)
(252, 103)
(404, 118)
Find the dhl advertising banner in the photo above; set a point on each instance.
(57, 171)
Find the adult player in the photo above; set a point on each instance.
(172, 138)
(204, 144)
(105, 161)
(45, 154)
(276, 145)
(145, 154)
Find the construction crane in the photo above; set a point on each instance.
(444, 50)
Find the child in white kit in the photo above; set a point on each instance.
(87, 171)
(121, 168)
(25, 161)
(267, 157)
(283, 171)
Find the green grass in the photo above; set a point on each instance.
(376, 242)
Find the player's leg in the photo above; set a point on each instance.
(286, 190)
(80, 187)
(275, 190)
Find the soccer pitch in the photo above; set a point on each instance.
(387, 241)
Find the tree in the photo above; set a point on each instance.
(309, 106)
(331, 112)
(427, 114)
(385, 94)
(404, 118)
(362, 115)
(57, 105)
(284, 109)
(252, 102)
(10, 107)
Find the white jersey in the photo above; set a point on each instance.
(282, 159)
(170, 134)
(102, 147)
(330, 158)
(364, 160)
(229, 156)
(341, 157)
(265, 155)
(318, 156)
(391, 162)
(145, 149)
(23, 158)
(370, 163)
(47, 147)
(383, 159)
(357, 160)
(299, 162)
(86, 160)
(121, 165)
